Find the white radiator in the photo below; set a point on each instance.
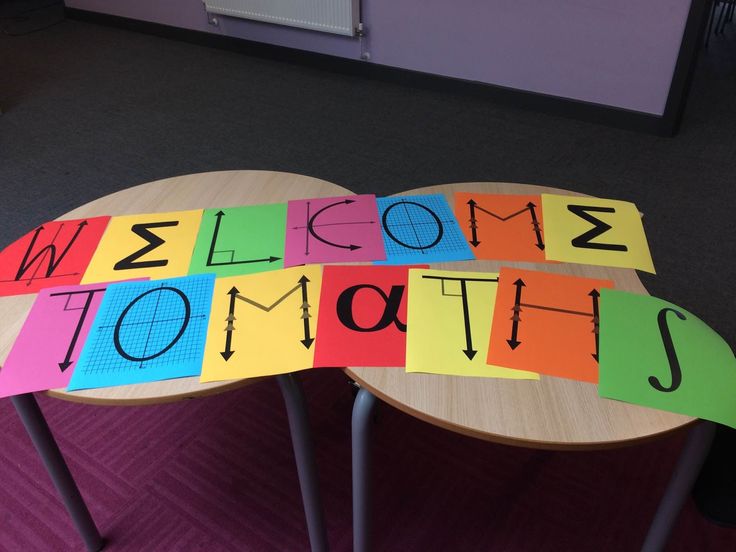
(330, 16)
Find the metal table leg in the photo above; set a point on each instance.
(362, 409)
(37, 428)
(301, 439)
(682, 480)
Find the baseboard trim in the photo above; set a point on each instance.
(665, 125)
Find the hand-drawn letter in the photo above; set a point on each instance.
(153, 240)
(390, 313)
(669, 348)
(599, 227)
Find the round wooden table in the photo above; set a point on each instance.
(552, 413)
(196, 191)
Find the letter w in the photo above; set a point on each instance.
(25, 264)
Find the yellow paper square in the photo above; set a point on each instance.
(156, 245)
(449, 318)
(262, 324)
(595, 231)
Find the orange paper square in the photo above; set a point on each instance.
(502, 227)
(547, 323)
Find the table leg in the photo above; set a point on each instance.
(682, 480)
(40, 433)
(301, 440)
(362, 409)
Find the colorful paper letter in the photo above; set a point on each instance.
(263, 324)
(502, 227)
(157, 245)
(595, 231)
(362, 320)
(54, 254)
(547, 323)
(240, 240)
(656, 354)
(146, 331)
(421, 229)
(449, 319)
(46, 350)
(334, 229)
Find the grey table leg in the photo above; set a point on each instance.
(682, 481)
(301, 439)
(362, 409)
(37, 428)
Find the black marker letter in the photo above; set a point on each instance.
(121, 318)
(153, 242)
(669, 348)
(599, 227)
(390, 311)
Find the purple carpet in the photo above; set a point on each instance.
(218, 474)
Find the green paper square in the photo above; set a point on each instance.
(240, 240)
(633, 350)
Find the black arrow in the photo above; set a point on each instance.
(469, 351)
(310, 226)
(228, 352)
(73, 343)
(263, 260)
(596, 320)
(473, 224)
(218, 216)
(513, 342)
(53, 263)
(22, 269)
(51, 249)
(535, 224)
(308, 340)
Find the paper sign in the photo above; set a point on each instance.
(146, 331)
(449, 319)
(263, 324)
(240, 240)
(547, 323)
(502, 227)
(656, 354)
(54, 254)
(595, 231)
(47, 348)
(421, 229)
(362, 320)
(157, 245)
(334, 229)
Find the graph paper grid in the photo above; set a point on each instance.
(420, 229)
(147, 331)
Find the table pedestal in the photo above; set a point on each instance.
(682, 481)
(47, 448)
(301, 439)
(39, 432)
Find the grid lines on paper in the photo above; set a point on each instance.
(415, 222)
(142, 321)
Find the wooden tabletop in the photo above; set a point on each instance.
(552, 413)
(195, 191)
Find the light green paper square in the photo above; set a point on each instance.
(632, 349)
(240, 240)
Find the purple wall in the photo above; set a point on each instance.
(620, 53)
